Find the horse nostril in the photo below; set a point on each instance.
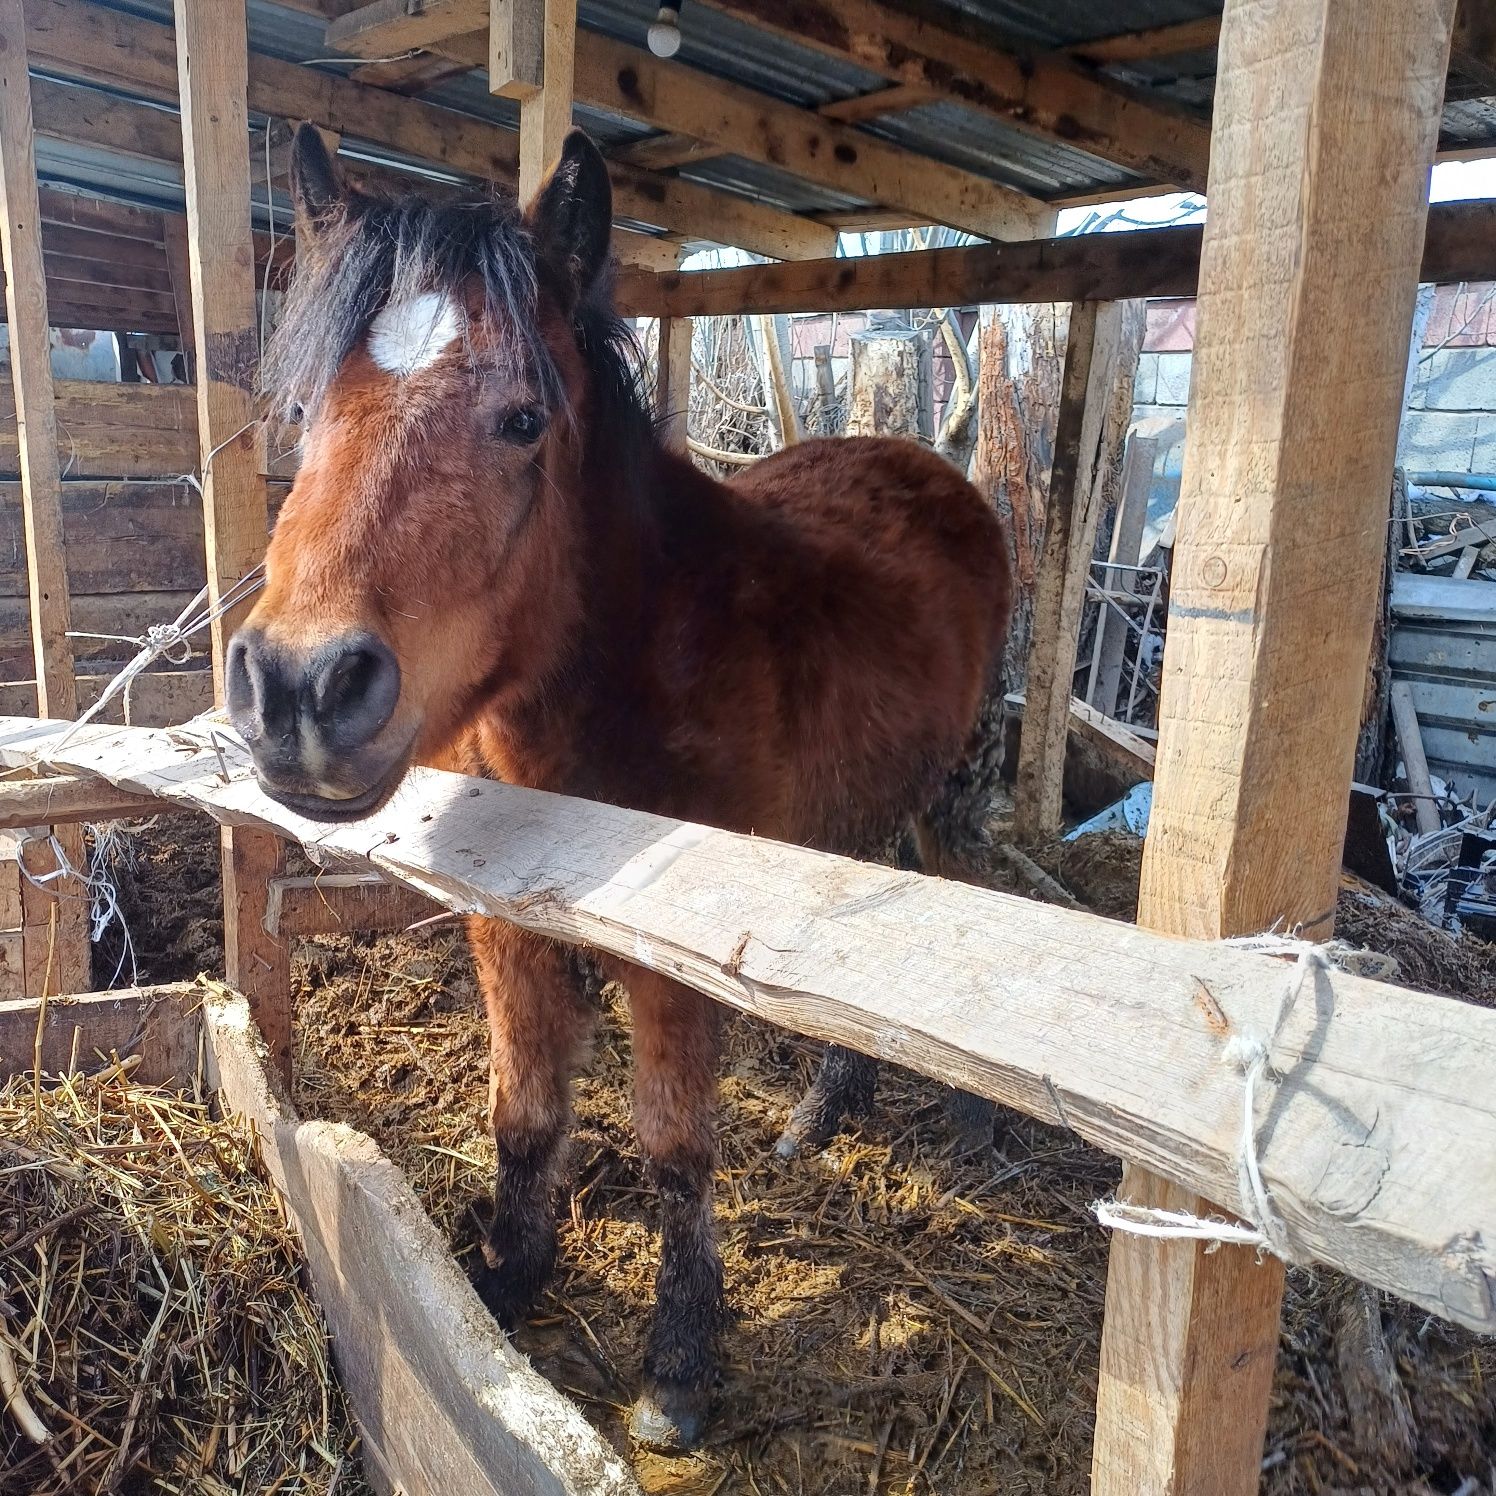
(261, 698)
(355, 691)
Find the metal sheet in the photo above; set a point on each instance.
(1443, 645)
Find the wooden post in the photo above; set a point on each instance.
(55, 942)
(1326, 115)
(673, 380)
(1021, 356)
(31, 376)
(1091, 362)
(212, 68)
(532, 58)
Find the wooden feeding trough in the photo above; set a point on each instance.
(1327, 115)
(445, 1406)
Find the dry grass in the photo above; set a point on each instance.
(154, 1332)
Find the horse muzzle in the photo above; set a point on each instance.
(319, 722)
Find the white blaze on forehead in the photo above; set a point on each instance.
(411, 335)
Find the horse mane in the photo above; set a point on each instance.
(371, 251)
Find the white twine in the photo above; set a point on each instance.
(1252, 1055)
(98, 888)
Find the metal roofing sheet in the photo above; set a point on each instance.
(729, 48)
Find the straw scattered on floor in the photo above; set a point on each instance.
(155, 1334)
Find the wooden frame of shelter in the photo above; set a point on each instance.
(1321, 107)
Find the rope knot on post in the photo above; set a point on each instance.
(1251, 1055)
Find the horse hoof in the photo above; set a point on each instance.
(789, 1145)
(668, 1418)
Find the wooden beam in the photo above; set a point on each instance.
(1321, 106)
(212, 62)
(1461, 245)
(1415, 759)
(80, 40)
(895, 98)
(444, 1401)
(673, 381)
(342, 904)
(533, 49)
(31, 374)
(66, 799)
(626, 80)
(1047, 96)
(1099, 1026)
(1198, 35)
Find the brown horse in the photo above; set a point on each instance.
(489, 561)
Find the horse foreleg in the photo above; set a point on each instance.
(844, 1087)
(537, 1025)
(675, 1103)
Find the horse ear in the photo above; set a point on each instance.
(315, 188)
(572, 215)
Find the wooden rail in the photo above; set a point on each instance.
(1461, 245)
(1376, 1139)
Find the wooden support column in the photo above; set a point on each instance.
(673, 381)
(55, 941)
(1091, 359)
(212, 69)
(532, 58)
(1322, 108)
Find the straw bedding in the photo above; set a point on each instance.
(155, 1333)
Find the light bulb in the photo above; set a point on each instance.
(664, 35)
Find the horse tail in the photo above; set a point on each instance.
(953, 838)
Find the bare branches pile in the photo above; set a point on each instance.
(154, 1331)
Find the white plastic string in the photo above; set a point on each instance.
(98, 889)
(1252, 1055)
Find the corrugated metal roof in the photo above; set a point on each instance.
(726, 47)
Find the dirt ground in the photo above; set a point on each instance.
(908, 1322)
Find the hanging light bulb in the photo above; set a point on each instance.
(664, 35)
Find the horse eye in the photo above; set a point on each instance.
(522, 426)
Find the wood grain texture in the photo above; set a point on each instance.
(61, 799)
(516, 45)
(215, 142)
(1461, 245)
(157, 1024)
(1320, 107)
(673, 381)
(1074, 1019)
(31, 373)
(212, 62)
(446, 1406)
(1047, 95)
(741, 121)
(1070, 517)
(547, 31)
(158, 698)
(343, 903)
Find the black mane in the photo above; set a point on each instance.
(372, 251)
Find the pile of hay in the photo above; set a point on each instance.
(154, 1331)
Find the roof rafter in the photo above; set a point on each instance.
(83, 41)
(705, 116)
(1049, 96)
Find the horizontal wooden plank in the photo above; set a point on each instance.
(1383, 1114)
(157, 1024)
(1461, 245)
(67, 799)
(443, 1401)
(338, 904)
(158, 697)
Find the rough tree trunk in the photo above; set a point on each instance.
(1021, 359)
(885, 392)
